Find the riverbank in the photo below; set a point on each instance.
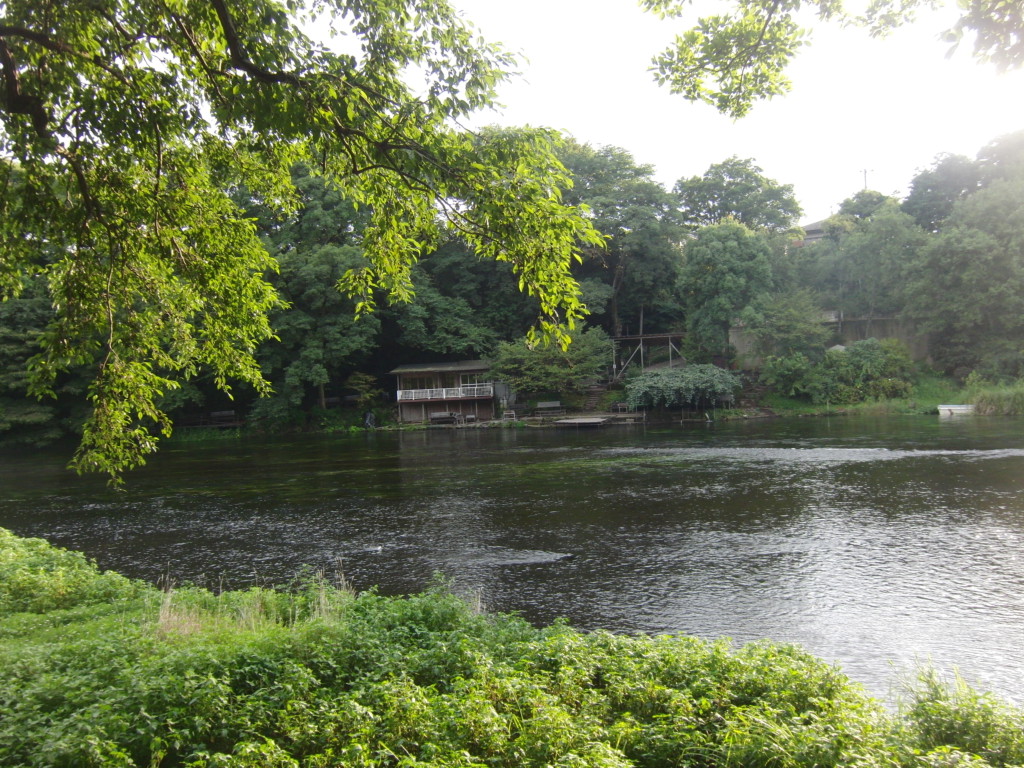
(99, 670)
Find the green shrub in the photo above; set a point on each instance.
(317, 676)
(955, 725)
(1000, 401)
(695, 386)
(864, 370)
(35, 576)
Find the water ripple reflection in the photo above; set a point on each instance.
(873, 544)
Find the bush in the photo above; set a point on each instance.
(38, 577)
(1000, 401)
(694, 386)
(956, 725)
(791, 375)
(865, 370)
(549, 368)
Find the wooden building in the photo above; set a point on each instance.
(448, 392)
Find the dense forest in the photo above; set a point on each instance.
(715, 251)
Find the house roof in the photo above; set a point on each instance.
(461, 366)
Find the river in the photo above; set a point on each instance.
(875, 543)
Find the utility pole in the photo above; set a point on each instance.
(866, 171)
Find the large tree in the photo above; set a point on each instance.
(318, 340)
(934, 191)
(641, 259)
(863, 266)
(967, 285)
(727, 271)
(737, 189)
(126, 124)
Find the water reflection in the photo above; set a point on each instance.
(867, 542)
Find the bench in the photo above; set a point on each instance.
(445, 417)
(549, 408)
(222, 419)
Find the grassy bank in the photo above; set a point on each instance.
(96, 670)
(999, 401)
(928, 392)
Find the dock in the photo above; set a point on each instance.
(583, 421)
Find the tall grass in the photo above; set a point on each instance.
(1000, 400)
(957, 724)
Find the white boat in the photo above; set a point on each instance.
(955, 410)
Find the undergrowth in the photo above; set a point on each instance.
(1005, 400)
(319, 676)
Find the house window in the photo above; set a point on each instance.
(417, 382)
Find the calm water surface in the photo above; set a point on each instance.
(872, 543)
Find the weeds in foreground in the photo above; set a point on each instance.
(318, 676)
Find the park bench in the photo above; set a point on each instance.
(445, 417)
(549, 408)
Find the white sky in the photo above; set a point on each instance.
(886, 106)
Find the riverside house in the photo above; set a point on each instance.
(448, 393)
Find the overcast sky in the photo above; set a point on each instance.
(884, 107)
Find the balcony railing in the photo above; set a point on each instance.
(447, 393)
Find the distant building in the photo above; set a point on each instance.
(813, 232)
(462, 390)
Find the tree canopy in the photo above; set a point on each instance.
(736, 189)
(641, 259)
(738, 56)
(728, 268)
(126, 125)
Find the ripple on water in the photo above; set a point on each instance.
(866, 548)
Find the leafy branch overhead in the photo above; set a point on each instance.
(737, 57)
(125, 126)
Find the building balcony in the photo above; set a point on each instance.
(468, 392)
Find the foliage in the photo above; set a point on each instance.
(24, 419)
(366, 389)
(739, 55)
(727, 269)
(694, 386)
(37, 577)
(124, 132)
(865, 370)
(934, 192)
(953, 724)
(640, 260)
(789, 323)
(317, 338)
(862, 267)
(1000, 401)
(317, 676)
(967, 289)
(549, 368)
(793, 374)
(464, 306)
(736, 189)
